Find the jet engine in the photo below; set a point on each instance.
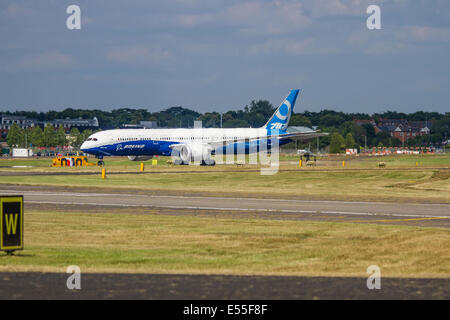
(195, 152)
(139, 158)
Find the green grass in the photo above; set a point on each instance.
(287, 160)
(152, 243)
(402, 161)
(406, 185)
(26, 162)
(402, 180)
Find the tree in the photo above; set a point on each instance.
(235, 123)
(85, 134)
(16, 136)
(49, 136)
(60, 137)
(331, 120)
(440, 129)
(359, 133)
(210, 119)
(300, 120)
(75, 137)
(337, 143)
(259, 112)
(349, 141)
(36, 137)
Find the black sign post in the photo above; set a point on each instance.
(11, 223)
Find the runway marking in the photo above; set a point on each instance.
(403, 220)
(231, 209)
(81, 194)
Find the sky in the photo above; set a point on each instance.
(210, 55)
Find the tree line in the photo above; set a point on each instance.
(343, 131)
(49, 137)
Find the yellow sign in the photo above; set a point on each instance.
(11, 223)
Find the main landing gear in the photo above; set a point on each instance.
(100, 161)
(207, 162)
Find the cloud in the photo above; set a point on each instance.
(16, 10)
(400, 40)
(253, 17)
(327, 8)
(46, 60)
(250, 45)
(192, 20)
(288, 47)
(138, 54)
(424, 34)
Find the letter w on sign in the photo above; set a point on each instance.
(11, 223)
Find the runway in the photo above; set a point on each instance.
(431, 214)
(35, 285)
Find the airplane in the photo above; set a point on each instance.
(197, 143)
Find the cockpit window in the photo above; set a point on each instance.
(94, 139)
(89, 139)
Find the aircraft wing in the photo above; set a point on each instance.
(211, 145)
(302, 135)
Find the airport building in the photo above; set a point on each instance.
(23, 122)
(141, 125)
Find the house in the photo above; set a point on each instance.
(401, 129)
(23, 122)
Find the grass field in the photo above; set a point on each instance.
(286, 161)
(152, 243)
(406, 178)
(416, 184)
(155, 243)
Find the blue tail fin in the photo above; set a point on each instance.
(280, 119)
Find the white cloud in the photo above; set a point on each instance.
(424, 34)
(349, 8)
(287, 46)
(253, 17)
(138, 54)
(45, 60)
(192, 20)
(16, 10)
(273, 18)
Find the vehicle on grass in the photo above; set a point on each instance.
(75, 161)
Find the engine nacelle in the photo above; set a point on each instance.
(139, 158)
(194, 152)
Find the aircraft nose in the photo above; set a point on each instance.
(83, 146)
